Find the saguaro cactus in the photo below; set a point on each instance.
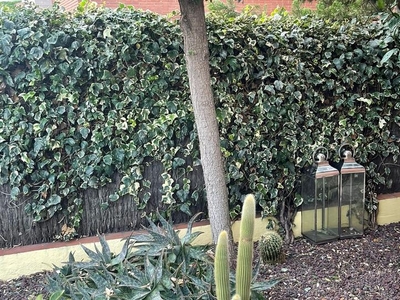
(222, 268)
(245, 251)
(244, 260)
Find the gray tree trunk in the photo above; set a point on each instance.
(193, 26)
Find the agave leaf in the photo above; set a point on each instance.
(179, 293)
(57, 295)
(158, 272)
(200, 284)
(100, 255)
(84, 292)
(86, 265)
(92, 255)
(142, 238)
(105, 249)
(139, 275)
(107, 274)
(149, 269)
(256, 270)
(151, 238)
(188, 238)
(154, 295)
(261, 286)
(200, 253)
(122, 255)
(154, 227)
(172, 235)
(78, 297)
(129, 281)
(184, 289)
(191, 222)
(100, 282)
(166, 281)
(140, 295)
(71, 257)
(171, 295)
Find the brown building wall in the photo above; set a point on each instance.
(69, 4)
(164, 7)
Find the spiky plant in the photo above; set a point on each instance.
(270, 245)
(245, 251)
(244, 288)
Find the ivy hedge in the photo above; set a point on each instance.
(98, 92)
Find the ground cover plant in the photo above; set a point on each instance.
(83, 98)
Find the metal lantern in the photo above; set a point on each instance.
(352, 195)
(320, 193)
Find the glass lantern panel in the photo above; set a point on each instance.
(320, 209)
(352, 204)
(327, 208)
(308, 207)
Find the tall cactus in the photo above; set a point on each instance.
(222, 268)
(245, 250)
(244, 260)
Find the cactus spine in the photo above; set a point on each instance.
(245, 250)
(222, 268)
(244, 260)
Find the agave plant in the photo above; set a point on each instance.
(155, 265)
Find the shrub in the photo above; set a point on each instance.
(83, 98)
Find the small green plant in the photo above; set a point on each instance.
(7, 5)
(270, 247)
(227, 9)
(54, 296)
(271, 243)
(245, 290)
(155, 265)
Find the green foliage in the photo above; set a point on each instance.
(341, 10)
(83, 98)
(155, 265)
(54, 296)
(226, 9)
(9, 5)
(244, 287)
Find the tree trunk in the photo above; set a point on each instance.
(193, 26)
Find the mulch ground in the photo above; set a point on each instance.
(353, 269)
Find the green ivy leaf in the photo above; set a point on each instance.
(107, 159)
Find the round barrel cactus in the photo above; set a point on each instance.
(270, 247)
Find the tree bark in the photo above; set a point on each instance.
(193, 27)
